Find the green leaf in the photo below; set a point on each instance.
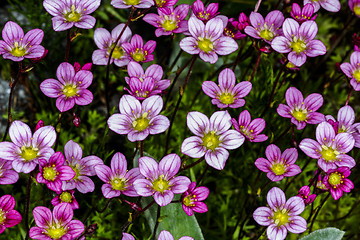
(326, 233)
(173, 219)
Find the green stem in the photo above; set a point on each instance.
(157, 222)
(317, 212)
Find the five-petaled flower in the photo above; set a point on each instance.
(352, 70)
(227, 94)
(138, 120)
(266, 29)
(213, 138)
(26, 148)
(169, 20)
(198, 9)
(278, 165)
(299, 110)
(329, 5)
(191, 199)
(337, 183)
(160, 180)
(281, 215)
(208, 40)
(83, 168)
(117, 178)
(70, 88)
(302, 15)
(8, 216)
(57, 224)
(330, 148)
(66, 196)
(304, 193)
(298, 41)
(138, 51)
(145, 84)
(16, 46)
(52, 172)
(106, 42)
(250, 129)
(66, 14)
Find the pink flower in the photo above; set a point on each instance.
(329, 5)
(266, 29)
(65, 197)
(203, 14)
(304, 194)
(352, 70)
(169, 20)
(232, 30)
(57, 224)
(16, 46)
(138, 120)
(83, 168)
(337, 183)
(208, 40)
(143, 85)
(302, 15)
(278, 165)
(355, 7)
(132, 3)
(299, 110)
(227, 94)
(166, 235)
(281, 215)
(26, 148)
(106, 41)
(53, 172)
(137, 51)
(250, 129)
(160, 180)
(191, 199)
(213, 138)
(66, 14)
(8, 216)
(70, 88)
(117, 179)
(330, 149)
(299, 41)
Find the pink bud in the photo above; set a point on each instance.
(76, 120)
(39, 125)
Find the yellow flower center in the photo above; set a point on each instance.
(76, 169)
(169, 25)
(66, 197)
(18, 51)
(211, 141)
(56, 232)
(28, 153)
(2, 217)
(188, 200)
(298, 46)
(118, 184)
(132, 2)
(70, 90)
(356, 74)
(278, 168)
(281, 217)
(356, 10)
(226, 98)
(138, 55)
(49, 173)
(117, 53)
(328, 154)
(266, 34)
(160, 185)
(160, 3)
(300, 115)
(72, 16)
(335, 179)
(140, 124)
(205, 45)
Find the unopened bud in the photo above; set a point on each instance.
(39, 125)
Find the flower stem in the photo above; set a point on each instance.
(317, 212)
(107, 97)
(68, 42)
(181, 93)
(127, 224)
(348, 98)
(256, 66)
(12, 87)
(27, 207)
(192, 164)
(157, 222)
